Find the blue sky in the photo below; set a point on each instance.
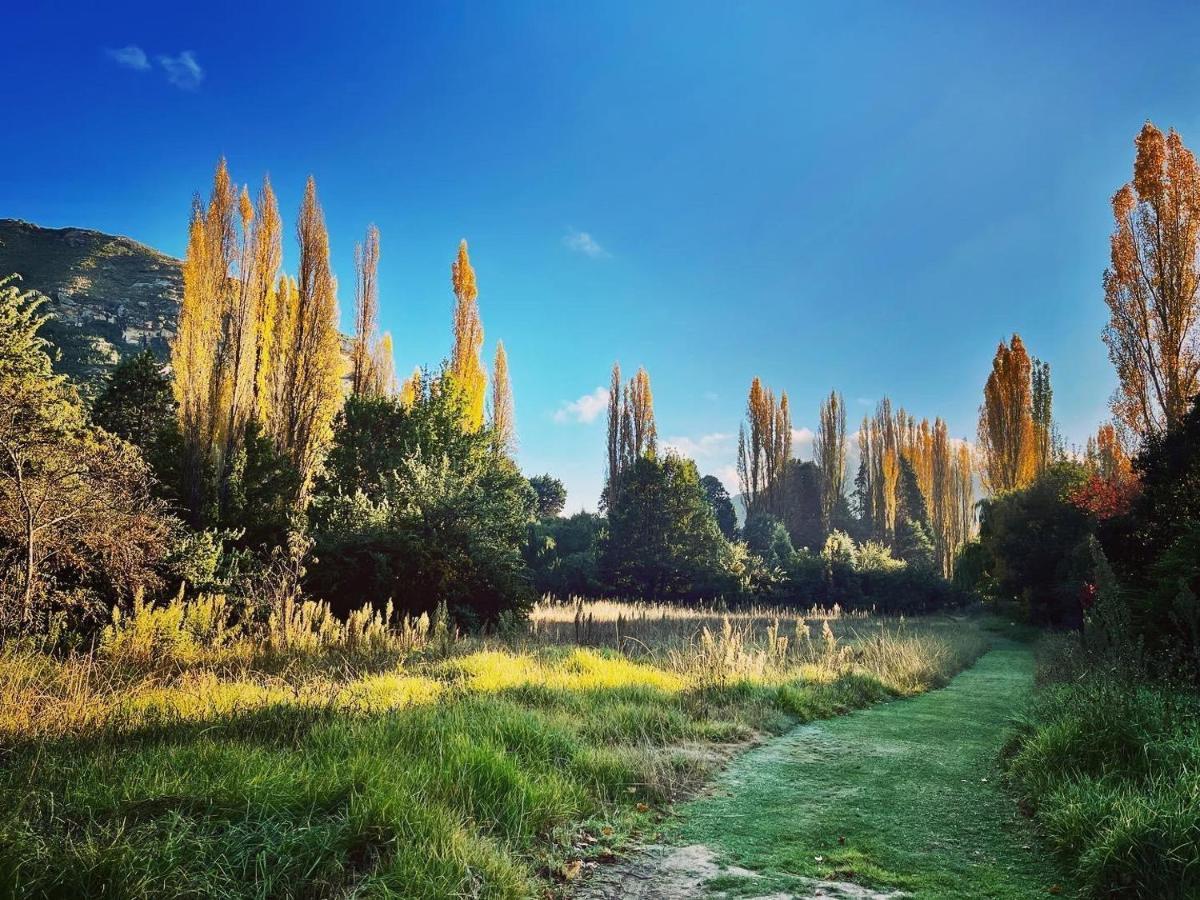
(865, 197)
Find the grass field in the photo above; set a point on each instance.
(179, 757)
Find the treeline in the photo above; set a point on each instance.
(664, 532)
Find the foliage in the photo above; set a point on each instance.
(764, 449)
(1036, 543)
(503, 418)
(427, 512)
(551, 495)
(79, 528)
(1008, 436)
(466, 368)
(561, 554)
(721, 505)
(1153, 546)
(662, 539)
(1153, 331)
(768, 538)
(137, 404)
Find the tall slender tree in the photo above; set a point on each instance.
(309, 348)
(268, 258)
(1151, 285)
(764, 448)
(363, 379)
(504, 433)
(466, 367)
(829, 453)
(614, 433)
(1007, 435)
(1042, 401)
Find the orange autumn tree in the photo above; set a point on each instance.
(1151, 285)
(764, 448)
(1007, 435)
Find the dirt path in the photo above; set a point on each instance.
(899, 800)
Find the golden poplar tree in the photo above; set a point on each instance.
(504, 434)
(1151, 285)
(764, 448)
(643, 432)
(363, 380)
(383, 367)
(214, 353)
(466, 367)
(268, 257)
(829, 453)
(310, 364)
(1007, 437)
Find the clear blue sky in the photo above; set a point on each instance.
(860, 196)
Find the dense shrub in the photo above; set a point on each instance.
(413, 510)
(561, 554)
(662, 540)
(1110, 766)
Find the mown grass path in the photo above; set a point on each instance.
(900, 797)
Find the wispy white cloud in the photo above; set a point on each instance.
(711, 396)
(705, 446)
(131, 57)
(582, 242)
(585, 409)
(183, 70)
(729, 478)
(802, 439)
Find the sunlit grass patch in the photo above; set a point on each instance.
(417, 768)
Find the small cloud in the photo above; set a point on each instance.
(729, 478)
(131, 57)
(585, 409)
(711, 396)
(182, 71)
(864, 401)
(582, 242)
(699, 447)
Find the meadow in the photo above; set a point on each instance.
(370, 757)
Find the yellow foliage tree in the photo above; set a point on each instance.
(504, 434)
(466, 367)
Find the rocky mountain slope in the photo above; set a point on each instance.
(108, 295)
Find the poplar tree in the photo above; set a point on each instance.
(614, 433)
(764, 449)
(466, 368)
(363, 380)
(503, 428)
(1042, 402)
(308, 348)
(1151, 286)
(268, 258)
(1007, 435)
(829, 453)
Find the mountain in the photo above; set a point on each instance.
(108, 295)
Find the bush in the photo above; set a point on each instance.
(1110, 767)
(414, 509)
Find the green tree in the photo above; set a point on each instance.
(137, 403)
(78, 523)
(663, 541)
(415, 509)
(721, 505)
(551, 495)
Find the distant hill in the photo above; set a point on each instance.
(108, 295)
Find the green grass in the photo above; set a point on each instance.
(905, 795)
(1111, 768)
(468, 773)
